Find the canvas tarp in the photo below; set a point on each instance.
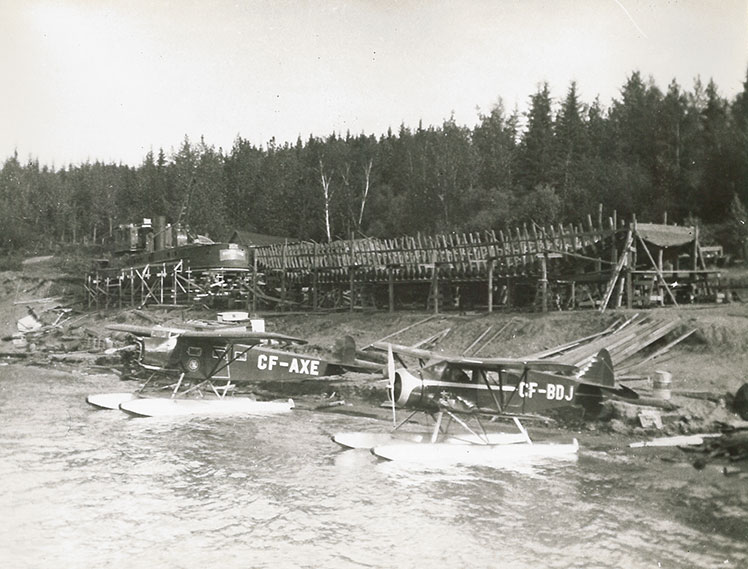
(665, 235)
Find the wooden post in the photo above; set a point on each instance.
(490, 285)
(435, 283)
(630, 265)
(175, 282)
(391, 287)
(573, 294)
(695, 247)
(315, 277)
(189, 284)
(283, 277)
(351, 273)
(315, 286)
(254, 282)
(544, 281)
(659, 268)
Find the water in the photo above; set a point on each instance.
(83, 488)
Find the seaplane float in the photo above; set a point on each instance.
(202, 368)
(460, 395)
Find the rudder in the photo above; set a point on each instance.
(599, 370)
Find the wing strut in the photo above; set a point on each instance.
(408, 418)
(499, 408)
(177, 386)
(437, 426)
(465, 426)
(522, 430)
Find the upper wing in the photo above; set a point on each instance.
(241, 336)
(495, 364)
(232, 334)
(147, 331)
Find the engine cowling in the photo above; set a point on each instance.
(409, 390)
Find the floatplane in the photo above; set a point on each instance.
(459, 393)
(203, 368)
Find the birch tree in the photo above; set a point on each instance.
(327, 197)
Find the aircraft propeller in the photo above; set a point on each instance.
(391, 385)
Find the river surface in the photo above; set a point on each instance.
(81, 488)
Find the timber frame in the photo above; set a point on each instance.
(604, 265)
(171, 283)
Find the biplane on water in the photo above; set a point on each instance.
(456, 391)
(204, 367)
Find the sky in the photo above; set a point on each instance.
(110, 80)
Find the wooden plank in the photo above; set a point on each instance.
(616, 273)
(662, 350)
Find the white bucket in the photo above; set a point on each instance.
(661, 385)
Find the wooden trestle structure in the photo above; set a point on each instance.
(539, 268)
(167, 283)
(594, 265)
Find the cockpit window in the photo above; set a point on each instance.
(456, 375)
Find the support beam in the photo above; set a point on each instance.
(490, 284)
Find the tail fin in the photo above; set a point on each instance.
(598, 371)
(344, 349)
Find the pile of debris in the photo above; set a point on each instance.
(635, 346)
(54, 332)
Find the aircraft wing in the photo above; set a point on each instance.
(483, 363)
(240, 335)
(146, 331)
(232, 334)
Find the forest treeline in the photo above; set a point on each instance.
(650, 152)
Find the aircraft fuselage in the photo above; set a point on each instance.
(202, 359)
(464, 389)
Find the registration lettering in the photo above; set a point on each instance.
(306, 367)
(557, 391)
(302, 366)
(552, 391)
(265, 361)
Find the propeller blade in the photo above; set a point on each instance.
(391, 377)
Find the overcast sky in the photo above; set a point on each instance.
(112, 79)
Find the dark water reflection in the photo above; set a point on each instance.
(86, 488)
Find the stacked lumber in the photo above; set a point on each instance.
(624, 342)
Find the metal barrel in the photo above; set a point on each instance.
(661, 385)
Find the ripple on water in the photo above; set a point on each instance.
(87, 488)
